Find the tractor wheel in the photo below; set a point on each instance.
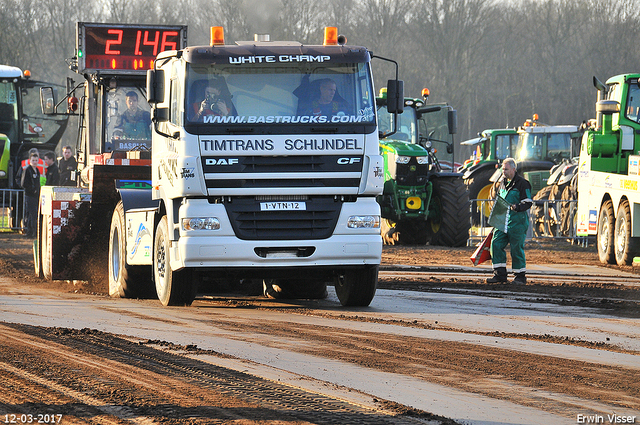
(542, 226)
(295, 288)
(45, 248)
(625, 246)
(605, 236)
(479, 186)
(173, 287)
(412, 232)
(125, 281)
(449, 215)
(568, 211)
(389, 232)
(357, 287)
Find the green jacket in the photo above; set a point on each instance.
(517, 192)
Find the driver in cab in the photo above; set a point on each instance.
(134, 123)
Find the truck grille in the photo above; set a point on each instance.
(316, 222)
(250, 172)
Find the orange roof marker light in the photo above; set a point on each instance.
(27, 73)
(425, 93)
(330, 36)
(217, 36)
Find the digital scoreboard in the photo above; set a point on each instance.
(124, 47)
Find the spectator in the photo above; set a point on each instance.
(67, 166)
(52, 173)
(30, 182)
(25, 163)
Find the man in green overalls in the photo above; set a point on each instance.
(516, 190)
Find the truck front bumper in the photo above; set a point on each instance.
(221, 248)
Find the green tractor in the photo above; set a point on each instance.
(491, 148)
(535, 146)
(424, 199)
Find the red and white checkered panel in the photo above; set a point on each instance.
(61, 213)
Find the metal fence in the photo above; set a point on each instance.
(12, 209)
(548, 219)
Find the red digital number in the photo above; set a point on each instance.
(147, 42)
(107, 49)
(169, 45)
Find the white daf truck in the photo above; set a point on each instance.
(265, 165)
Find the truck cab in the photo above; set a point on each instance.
(608, 176)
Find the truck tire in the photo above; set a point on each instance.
(605, 238)
(357, 287)
(173, 287)
(125, 281)
(625, 246)
(451, 222)
(477, 184)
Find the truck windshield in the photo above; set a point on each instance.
(9, 110)
(335, 94)
(128, 123)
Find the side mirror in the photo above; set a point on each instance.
(47, 101)
(155, 86)
(161, 114)
(452, 121)
(395, 96)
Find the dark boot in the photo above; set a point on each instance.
(520, 279)
(499, 275)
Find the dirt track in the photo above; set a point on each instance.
(91, 376)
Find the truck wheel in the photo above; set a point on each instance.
(45, 248)
(606, 226)
(625, 246)
(479, 186)
(357, 287)
(172, 287)
(449, 215)
(125, 281)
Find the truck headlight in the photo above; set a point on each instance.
(200, 223)
(403, 159)
(363, 222)
(422, 160)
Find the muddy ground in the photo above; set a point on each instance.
(88, 376)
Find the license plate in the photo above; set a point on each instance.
(283, 206)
